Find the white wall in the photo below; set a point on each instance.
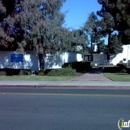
(30, 61)
(115, 59)
(57, 60)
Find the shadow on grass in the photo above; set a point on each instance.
(121, 74)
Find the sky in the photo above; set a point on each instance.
(77, 12)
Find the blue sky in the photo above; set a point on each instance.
(78, 11)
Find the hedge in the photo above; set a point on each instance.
(120, 68)
(112, 69)
(58, 72)
(10, 72)
(78, 66)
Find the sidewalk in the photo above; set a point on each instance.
(90, 80)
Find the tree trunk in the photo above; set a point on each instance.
(41, 60)
(108, 54)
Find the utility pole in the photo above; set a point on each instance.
(127, 55)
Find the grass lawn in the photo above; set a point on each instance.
(36, 78)
(118, 76)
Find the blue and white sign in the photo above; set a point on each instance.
(16, 57)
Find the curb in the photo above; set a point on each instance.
(65, 86)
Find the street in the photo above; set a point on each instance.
(62, 109)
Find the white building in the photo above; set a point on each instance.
(30, 60)
(57, 60)
(15, 60)
(124, 56)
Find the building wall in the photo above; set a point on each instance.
(115, 59)
(29, 61)
(57, 60)
(99, 59)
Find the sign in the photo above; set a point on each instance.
(122, 124)
(16, 57)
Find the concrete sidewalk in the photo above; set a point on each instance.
(94, 79)
(67, 84)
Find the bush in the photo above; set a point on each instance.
(112, 69)
(10, 72)
(128, 70)
(122, 65)
(78, 66)
(24, 72)
(59, 72)
(62, 72)
(2, 72)
(41, 73)
(120, 68)
(123, 71)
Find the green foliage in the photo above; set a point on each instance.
(116, 17)
(79, 39)
(10, 72)
(2, 72)
(115, 44)
(111, 69)
(122, 65)
(41, 73)
(120, 68)
(102, 47)
(123, 71)
(39, 27)
(78, 66)
(60, 72)
(39, 23)
(24, 72)
(91, 28)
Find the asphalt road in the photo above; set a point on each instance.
(62, 109)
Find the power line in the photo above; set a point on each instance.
(75, 25)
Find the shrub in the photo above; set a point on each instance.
(60, 72)
(24, 72)
(122, 65)
(41, 73)
(123, 71)
(2, 72)
(128, 70)
(10, 72)
(78, 66)
(112, 69)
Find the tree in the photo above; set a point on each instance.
(120, 16)
(79, 41)
(34, 25)
(114, 24)
(116, 44)
(92, 29)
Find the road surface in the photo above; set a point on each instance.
(62, 109)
